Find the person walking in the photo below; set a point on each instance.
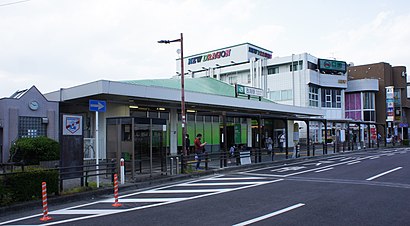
(199, 148)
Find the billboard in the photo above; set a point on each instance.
(332, 65)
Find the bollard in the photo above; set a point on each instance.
(176, 165)
(172, 166)
(313, 149)
(122, 171)
(116, 203)
(206, 160)
(45, 206)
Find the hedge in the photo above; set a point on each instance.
(34, 150)
(25, 186)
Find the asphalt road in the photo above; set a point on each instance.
(367, 188)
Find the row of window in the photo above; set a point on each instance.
(281, 95)
(295, 66)
(331, 98)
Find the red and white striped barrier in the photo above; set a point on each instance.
(116, 203)
(45, 206)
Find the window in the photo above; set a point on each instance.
(353, 106)
(313, 96)
(331, 98)
(281, 95)
(312, 66)
(286, 94)
(298, 65)
(275, 95)
(232, 80)
(273, 70)
(369, 115)
(368, 100)
(31, 127)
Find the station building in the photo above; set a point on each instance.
(297, 80)
(142, 119)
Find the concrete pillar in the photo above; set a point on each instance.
(249, 128)
(173, 121)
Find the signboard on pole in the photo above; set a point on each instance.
(97, 105)
(390, 104)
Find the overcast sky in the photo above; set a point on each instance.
(56, 44)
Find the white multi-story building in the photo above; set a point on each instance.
(299, 79)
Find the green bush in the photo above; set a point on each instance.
(34, 150)
(406, 142)
(25, 186)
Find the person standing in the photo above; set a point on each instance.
(269, 146)
(199, 148)
(282, 140)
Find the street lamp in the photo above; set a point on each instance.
(182, 91)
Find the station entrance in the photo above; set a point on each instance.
(142, 142)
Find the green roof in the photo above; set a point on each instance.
(199, 85)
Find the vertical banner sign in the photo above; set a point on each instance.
(72, 125)
(389, 104)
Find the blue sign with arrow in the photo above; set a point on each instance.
(98, 105)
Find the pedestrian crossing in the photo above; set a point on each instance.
(321, 165)
(164, 195)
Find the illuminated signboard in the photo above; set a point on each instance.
(332, 65)
(260, 53)
(210, 56)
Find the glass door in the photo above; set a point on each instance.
(150, 144)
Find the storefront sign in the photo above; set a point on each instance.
(390, 103)
(260, 53)
(332, 65)
(211, 56)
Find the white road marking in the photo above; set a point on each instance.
(292, 168)
(322, 170)
(334, 159)
(219, 184)
(85, 212)
(269, 215)
(344, 159)
(375, 157)
(296, 173)
(145, 200)
(184, 191)
(236, 178)
(382, 174)
(326, 162)
(352, 163)
(115, 211)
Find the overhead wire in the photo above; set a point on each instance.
(13, 3)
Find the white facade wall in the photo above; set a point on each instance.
(297, 81)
